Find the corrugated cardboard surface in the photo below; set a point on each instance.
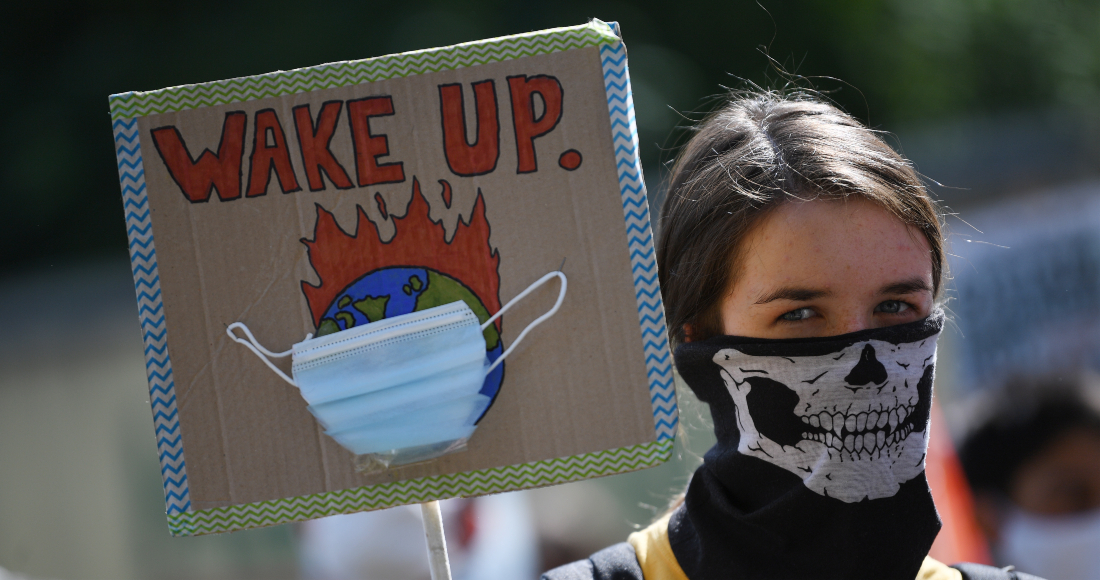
(577, 384)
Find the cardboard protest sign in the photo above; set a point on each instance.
(330, 197)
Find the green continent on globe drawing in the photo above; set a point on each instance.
(442, 289)
(438, 290)
(373, 307)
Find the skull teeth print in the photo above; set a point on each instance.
(851, 423)
(876, 429)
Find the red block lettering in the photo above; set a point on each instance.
(369, 147)
(266, 157)
(221, 171)
(528, 128)
(464, 158)
(313, 142)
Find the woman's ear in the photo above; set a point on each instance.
(688, 331)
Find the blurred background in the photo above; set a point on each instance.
(997, 102)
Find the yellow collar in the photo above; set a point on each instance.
(655, 557)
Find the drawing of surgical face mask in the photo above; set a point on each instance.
(408, 385)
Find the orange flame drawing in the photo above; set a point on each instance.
(340, 258)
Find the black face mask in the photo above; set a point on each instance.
(819, 467)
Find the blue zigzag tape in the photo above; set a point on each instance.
(131, 164)
(139, 202)
(166, 390)
(178, 496)
(611, 85)
(631, 151)
(154, 296)
(122, 150)
(670, 425)
(668, 410)
(153, 322)
(662, 385)
(640, 238)
(627, 112)
(176, 483)
(143, 231)
(655, 331)
(629, 176)
(148, 270)
(150, 283)
(143, 244)
(660, 370)
(174, 510)
(613, 61)
(167, 429)
(629, 162)
(665, 398)
(618, 98)
(624, 123)
(134, 215)
(161, 377)
(126, 175)
(150, 312)
(660, 359)
(166, 403)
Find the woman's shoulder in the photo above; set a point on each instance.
(646, 555)
(618, 562)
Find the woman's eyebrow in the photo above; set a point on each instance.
(906, 287)
(792, 293)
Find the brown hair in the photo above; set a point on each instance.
(747, 158)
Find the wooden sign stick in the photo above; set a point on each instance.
(437, 542)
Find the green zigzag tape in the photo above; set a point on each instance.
(471, 483)
(339, 74)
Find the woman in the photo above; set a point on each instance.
(800, 261)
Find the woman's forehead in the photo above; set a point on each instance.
(834, 244)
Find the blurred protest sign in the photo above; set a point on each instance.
(324, 198)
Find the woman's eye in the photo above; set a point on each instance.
(892, 307)
(796, 315)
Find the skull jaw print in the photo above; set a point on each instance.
(851, 423)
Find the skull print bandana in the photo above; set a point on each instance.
(819, 466)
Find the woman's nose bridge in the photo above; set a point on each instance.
(852, 320)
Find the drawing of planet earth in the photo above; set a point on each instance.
(390, 292)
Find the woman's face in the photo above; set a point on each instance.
(824, 268)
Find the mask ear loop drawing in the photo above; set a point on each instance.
(260, 351)
(266, 355)
(535, 322)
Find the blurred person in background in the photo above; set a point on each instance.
(1034, 466)
(488, 538)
